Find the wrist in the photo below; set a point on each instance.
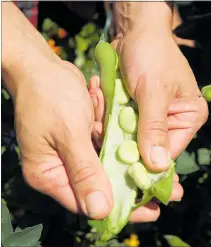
(24, 51)
(147, 17)
(20, 74)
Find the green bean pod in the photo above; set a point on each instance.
(120, 155)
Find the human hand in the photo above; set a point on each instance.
(54, 118)
(160, 80)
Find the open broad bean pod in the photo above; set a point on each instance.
(120, 155)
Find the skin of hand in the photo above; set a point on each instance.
(54, 118)
(160, 80)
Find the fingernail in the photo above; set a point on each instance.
(159, 156)
(96, 204)
(94, 101)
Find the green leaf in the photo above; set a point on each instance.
(93, 39)
(175, 241)
(81, 43)
(186, 163)
(6, 225)
(204, 156)
(18, 229)
(87, 29)
(5, 94)
(71, 43)
(79, 61)
(47, 25)
(3, 149)
(17, 150)
(29, 237)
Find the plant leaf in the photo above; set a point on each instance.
(6, 224)
(186, 163)
(27, 238)
(175, 241)
(204, 156)
(81, 43)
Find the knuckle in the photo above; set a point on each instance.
(83, 172)
(31, 178)
(45, 181)
(158, 126)
(158, 132)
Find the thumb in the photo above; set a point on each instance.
(152, 127)
(87, 177)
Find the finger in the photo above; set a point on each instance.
(181, 121)
(177, 192)
(94, 82)
(116, 41)
(183, 137)
(185, 119)
(176, 178)
(52, 180)
(147, 213)
(188, 110)
(98, 103)
(86, 174)
(98, 127)
(97, 135)
(152, 127)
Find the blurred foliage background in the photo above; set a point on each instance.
(32, 219)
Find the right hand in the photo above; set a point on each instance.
(160, 80)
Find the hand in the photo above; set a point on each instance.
(54, 120)
(160, 80)
(151, 211)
